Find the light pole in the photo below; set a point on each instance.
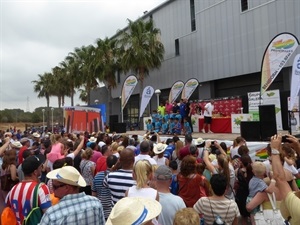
(157, 92)
(121, 109)
(43, 110)
(96, 101)
(52, 109)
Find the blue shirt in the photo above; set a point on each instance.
(178, 116)
(177, 128)
(171, 127)
(187, 128)
(157, 125)
(164, 128)
(149, 126)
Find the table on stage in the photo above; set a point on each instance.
(218, 124)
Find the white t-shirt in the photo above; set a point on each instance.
(141, 157)
(208, 109)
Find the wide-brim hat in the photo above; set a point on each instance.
(36, 135)
(283, 208)
(199, 141)
(17, 144)
(24, 140)
(134, 210)
(159, 148)
(67, 175)
(92, 139)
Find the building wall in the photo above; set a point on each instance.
(226, 49)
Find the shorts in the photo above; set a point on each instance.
(207, 119)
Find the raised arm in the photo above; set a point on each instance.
(208, 164)
(4, 146)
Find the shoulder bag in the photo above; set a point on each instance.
(269, 216)
(7, 183)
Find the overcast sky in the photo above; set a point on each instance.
(37, 35)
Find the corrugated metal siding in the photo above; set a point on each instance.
(226, 43)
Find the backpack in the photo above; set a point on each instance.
(36, 214)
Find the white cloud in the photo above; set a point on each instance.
(37, 35)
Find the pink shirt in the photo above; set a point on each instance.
(96, 155)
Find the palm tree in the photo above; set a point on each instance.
(44, 87)
(142, 49)
(107, 65)
(60, 85)
(85, 57)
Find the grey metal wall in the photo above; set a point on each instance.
(226, 43)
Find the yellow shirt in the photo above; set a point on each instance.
(290, 207)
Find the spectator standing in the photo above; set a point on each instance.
(161, 108)
(144, 153)
(87, 168)
(73, 207)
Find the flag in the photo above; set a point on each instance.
(189, 87)
(175, 91)
(295, 82)
(279, 50)
(128, 87)
(146, 97)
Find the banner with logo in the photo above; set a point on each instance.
(146, 97)
(275, 57)
(189, 87)
(294, 115)
(128, 87)
(295, 83)
(271, 97)
(175, 91)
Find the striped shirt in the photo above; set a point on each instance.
(118, 183)
(227, 209)
(75, 209)
(20, 198)
(103, 193)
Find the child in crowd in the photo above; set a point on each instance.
(157, 127)
(149, 125)
(169, 149)
(187, 127)
(177, 127)
(171, 126)
(159, 116)
(174, 184)
(257, 184)
(178, 116)
(164, 127)
(154, 116)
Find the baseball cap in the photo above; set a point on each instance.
(163, 173)
(31, 163)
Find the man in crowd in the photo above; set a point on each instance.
(144, 153)
(208, 110)
(186, 149)
(170, 203)
(73, 207)
(121, 180)
(20, 197)
(101, 162)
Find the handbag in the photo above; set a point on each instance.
(8, 217)
(7, 183)
(36, 214)
(269, 216)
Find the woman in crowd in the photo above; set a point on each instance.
(239, 141)
(192, 186)
(87, 168)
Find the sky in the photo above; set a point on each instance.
(37, 35)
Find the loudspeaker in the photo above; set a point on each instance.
(267, 118)
(113, 118)
(250, 130)
(118, 127)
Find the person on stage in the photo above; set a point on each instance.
(208, 109)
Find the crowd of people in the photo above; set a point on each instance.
(102, 178)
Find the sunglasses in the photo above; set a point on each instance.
(55, 187)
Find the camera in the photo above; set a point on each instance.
(212, 142)
(284, 139)
(152, 132)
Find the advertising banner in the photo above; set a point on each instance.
(146, 97)
(236, 120)
(80, 119)
(275, 57)
(175, 91)
(128, 87)
(294, 115)
(271, 97)
(189, 87)
(295, 83)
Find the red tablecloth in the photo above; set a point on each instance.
(218, 125)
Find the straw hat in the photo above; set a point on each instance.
(67, 175)
(159, 148)
(134, 210)
(92, 139)
(199, 141)
(36, 135)
(17, 144)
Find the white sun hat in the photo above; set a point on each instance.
(199, 141)
(36, 135)
(159, 148)
(134, 211)
(17, 144)
(67, 175)
(92, 139)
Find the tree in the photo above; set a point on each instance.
(142, 49)
(107, 64)
(44, 87)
